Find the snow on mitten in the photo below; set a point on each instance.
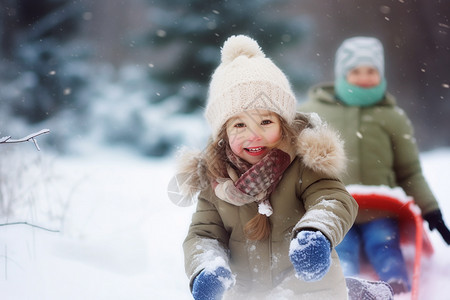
(210, 285)
(310, 253)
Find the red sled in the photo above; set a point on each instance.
(412, 231)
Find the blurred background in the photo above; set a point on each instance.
(135, 73)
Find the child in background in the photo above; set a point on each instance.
(382, 152)
(270, 208)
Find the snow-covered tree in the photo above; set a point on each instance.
(39, 66)
(186, 37)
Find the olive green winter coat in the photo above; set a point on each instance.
(379, 144)
(309, 195)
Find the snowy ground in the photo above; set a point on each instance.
(120, 237)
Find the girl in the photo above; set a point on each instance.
(270, 207)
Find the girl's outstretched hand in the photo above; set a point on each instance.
(210, 285)
(310, 253)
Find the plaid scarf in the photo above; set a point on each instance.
(256, 182)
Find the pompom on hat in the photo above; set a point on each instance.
(359, 51)
(245, 80)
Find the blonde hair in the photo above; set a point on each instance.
(259, 227)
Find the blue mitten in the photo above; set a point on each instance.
(310, 253)
(210, 285)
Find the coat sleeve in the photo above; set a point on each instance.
(329, 208)
(408, 170)
(206, 244)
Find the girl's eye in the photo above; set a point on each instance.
(266, 122)
(239, 125)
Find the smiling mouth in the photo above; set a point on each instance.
(255, 150)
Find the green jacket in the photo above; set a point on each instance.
(309, 195)
(379, 143)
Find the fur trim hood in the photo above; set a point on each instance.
(319, 147)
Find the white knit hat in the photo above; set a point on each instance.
(358, 51)
(247, 80)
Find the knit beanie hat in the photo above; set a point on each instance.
(358, 51)
(245, 80)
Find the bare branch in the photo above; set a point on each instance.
(29, 224)
(30, 137)
(4, 139)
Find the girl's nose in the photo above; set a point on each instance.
(254, 134)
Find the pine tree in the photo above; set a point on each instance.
(38, 57)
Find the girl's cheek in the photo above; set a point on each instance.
(236, 145)
(274, 137)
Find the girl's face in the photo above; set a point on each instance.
(364, 76)
(253, 133)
